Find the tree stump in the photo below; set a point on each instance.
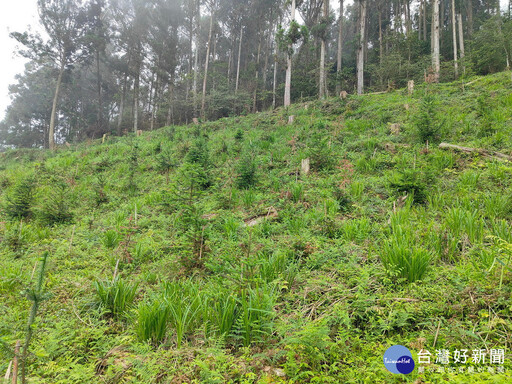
(305, 166)
(410, 87)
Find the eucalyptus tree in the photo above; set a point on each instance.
(339, 55)
(362, 46)
(288, 83)
(436, 54)
(66, 22)
(325, 22)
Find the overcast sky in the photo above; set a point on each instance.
(16, 16)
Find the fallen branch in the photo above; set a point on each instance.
(483, 152)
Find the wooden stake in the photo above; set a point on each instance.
(71, 240)
(8, 373)
(15, 362)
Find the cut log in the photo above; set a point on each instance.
(483, 152)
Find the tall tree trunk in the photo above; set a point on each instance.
(274, 83)
(461, 37)
(121, 105)
(214, 57)
(441, 23)
(190, 50)
(196, 57)
(381, 46)
(461, 42)
(154, 106)
(265, 67)
(454, 28)
(436, 63)
(322, 91)
(136, 90)
(170, 109)
(239, 57)
(424, 19)
(420, 20)
(361, 50)
(206, 62)
(51, 132)
(288, 80)
(99, 115)
(407, 12)
(469, 5)
(230, 57)
(340, 49)
(255, 95)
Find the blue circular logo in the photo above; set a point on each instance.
(398, 359)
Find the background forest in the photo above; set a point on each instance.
(125, 65)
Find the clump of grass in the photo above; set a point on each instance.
(465, 222)
(153, 321)
(184, 301)
(401, 259)
(297, 192)
(249, 198)
(222, 311)
(110, 239)
(256, 315)
(116, 296)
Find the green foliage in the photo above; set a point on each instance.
(222, 310)
(153, 321)
(320, 153)
(185, 304)
(297, 192)
(427, 122)
(56, 206)
(37, 295)
(411, 182)
(287, 38)
(110, 239)
(115, 297)
(165, 162)
(307, 275)
(503, 258)
(19, 202)
(489, 44)
(402, 259)
(247, 172)
(255, 321)
(133, 164)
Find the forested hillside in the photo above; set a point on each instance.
(290, 246)
(116, 66)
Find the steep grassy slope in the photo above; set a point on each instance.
(203, 254)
